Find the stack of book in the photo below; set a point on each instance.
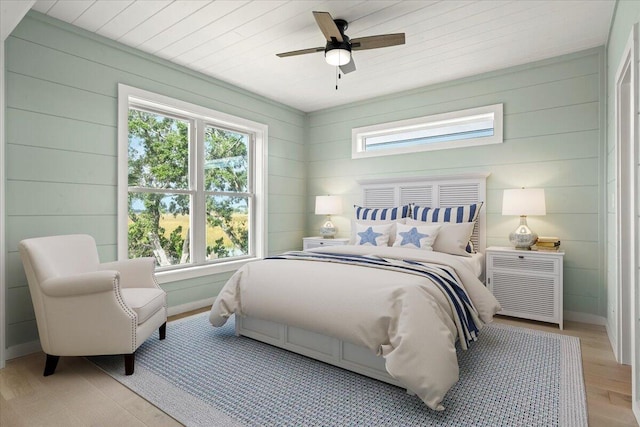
(547, 244)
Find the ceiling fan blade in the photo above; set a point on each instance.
(327, 26)
(348, 67)
(374, 42)
(300, 52)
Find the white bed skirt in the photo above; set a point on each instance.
(317, 346)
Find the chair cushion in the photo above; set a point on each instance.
(144, 301)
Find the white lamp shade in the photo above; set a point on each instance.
(328, 205)
(524, 201)
(337, 57)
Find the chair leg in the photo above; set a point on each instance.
(129, 362)
(163, 331)
(50, 365)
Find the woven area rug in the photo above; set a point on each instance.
(204, 376)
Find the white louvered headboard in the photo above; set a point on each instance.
(433, 191)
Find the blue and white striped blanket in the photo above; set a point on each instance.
(465, 314)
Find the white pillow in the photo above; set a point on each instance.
(416, 236)
(452, 237)
(392, 232)
(373, 235)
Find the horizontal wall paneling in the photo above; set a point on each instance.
(62, 145)
(553, 115)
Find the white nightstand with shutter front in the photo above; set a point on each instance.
(318, 242)
(528, 284)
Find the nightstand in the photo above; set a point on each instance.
(317, 242)
(528, 284)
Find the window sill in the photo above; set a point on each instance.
(200, 271)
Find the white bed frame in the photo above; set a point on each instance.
(440, 191)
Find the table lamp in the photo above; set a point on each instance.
(328, 205)
(523, 202)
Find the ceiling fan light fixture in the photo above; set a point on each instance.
(337, 56)
(337, 51)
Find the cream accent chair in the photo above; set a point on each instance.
(84, 308)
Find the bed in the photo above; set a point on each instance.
(393, 313)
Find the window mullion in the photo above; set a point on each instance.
(251, 201)
(199, 234)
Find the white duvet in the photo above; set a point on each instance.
(403, 317)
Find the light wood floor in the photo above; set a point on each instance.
(79, 394)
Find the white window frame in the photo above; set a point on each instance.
(360, 134)
(131, 97)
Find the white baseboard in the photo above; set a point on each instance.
(612, 341)
(592, 319)
(23, 349)
(34, 346)
(636, 410)
(183, 308)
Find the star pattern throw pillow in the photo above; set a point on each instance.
(416, 236)
(373, 235)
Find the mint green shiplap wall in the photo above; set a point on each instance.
(61, 148)
(553, 115)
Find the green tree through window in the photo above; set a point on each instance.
(163, 193)
(226, 172)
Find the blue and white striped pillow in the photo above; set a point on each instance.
(457, 214)
(381, 213)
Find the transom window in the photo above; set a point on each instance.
(190, 184)
(475, 126)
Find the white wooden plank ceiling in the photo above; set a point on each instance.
(236, 40)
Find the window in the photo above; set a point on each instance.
(190, 185)
(475, 126)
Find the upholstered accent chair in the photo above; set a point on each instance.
(85, 308)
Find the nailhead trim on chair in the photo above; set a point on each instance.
(131, 313)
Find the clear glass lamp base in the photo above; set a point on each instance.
(522, 237)
(328, 230)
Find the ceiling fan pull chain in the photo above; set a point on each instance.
(337, 76)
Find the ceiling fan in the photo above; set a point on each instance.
(338, 48)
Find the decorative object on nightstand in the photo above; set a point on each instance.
(318, 242)
(527, 284)
(545, 243)
(523, 202)
(328, 205)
